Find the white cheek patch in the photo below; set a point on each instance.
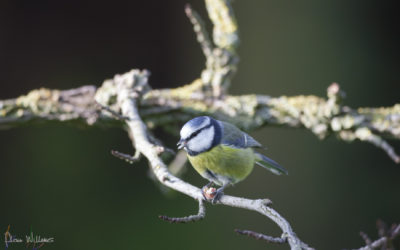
(185, 132)
(203, 141)
(187, 129)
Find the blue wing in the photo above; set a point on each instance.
(234, 137)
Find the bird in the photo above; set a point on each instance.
(222, 153)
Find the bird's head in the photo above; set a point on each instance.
(199, 135)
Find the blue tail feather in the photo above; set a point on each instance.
(270, 164)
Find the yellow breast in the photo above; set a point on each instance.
(234, 163)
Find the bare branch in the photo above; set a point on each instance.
(259, 236)
(191, 218)
(365, 134)
(378, 243)
(262, 206)
(387, 236)
(221, 64)
(128, 158)
(200, 30)
(395, 232)
(365, 237)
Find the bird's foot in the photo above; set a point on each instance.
(207, 191)
(217, 195)
(211, 193)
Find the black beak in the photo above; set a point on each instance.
(181, 143)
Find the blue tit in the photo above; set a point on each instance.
(222, 153)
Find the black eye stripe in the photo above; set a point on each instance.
(198, 132)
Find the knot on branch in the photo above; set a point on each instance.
(132, 84)
(335, 96)
(221, 65)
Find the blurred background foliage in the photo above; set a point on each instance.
(63, 182)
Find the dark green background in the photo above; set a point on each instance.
(63, 182)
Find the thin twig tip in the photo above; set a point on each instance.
(188, 9)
